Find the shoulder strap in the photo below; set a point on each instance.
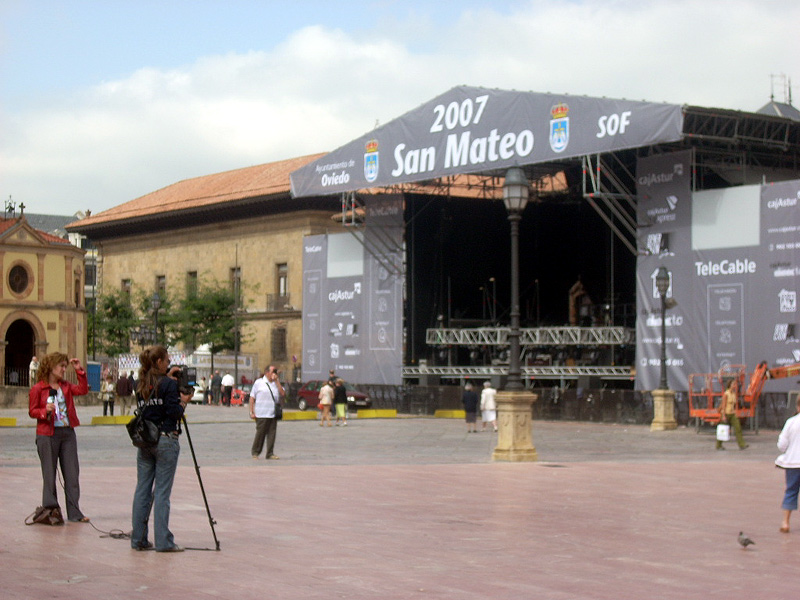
(271, 393)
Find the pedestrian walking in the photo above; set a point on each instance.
(470, 401)
(340, 402)
(227, 388)
(107, 392)
(325, 402)
(789, 461)
(488, 406)
(123, 390)
(727, 414)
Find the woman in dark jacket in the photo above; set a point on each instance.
(51, 404)
(470, 400)
(160, 401)
(340, 401)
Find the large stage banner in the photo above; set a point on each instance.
(353, 299)
(473, 130)
(734, 259)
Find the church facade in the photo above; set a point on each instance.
(42, 305)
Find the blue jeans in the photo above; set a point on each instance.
(792, 487)
(155, 470)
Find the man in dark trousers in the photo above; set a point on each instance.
(216, 388)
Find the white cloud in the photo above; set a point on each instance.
(322, 87)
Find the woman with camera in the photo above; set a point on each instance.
(160, 401)
(51, 404)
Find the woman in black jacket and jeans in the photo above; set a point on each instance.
(160, 401)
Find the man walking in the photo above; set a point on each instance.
(216, 388)
(266, 392)
(123, 390)
(227, 388)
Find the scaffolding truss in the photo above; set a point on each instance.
(538, 372)
(532, 337)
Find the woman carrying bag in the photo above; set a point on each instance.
(160, 401)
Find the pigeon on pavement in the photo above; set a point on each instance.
(745, 541)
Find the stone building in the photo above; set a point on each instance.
(42, 307)
(241, 227)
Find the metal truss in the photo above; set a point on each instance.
(555, 372)
(380, 246)
(532, 337)
(611, 193)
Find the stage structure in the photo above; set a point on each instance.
(616, 152)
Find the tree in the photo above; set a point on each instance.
(114, 320)
(207, 315)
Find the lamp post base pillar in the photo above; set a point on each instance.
(663, 411)
(514, 427)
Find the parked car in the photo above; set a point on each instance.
(197, 397)
(308, 395)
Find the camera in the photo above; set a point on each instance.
(185, 376)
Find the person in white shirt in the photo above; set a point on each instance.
(488, 406)
(265, 393)
(789, 445)
(227, 388)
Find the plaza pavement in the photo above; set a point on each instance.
(411, 508)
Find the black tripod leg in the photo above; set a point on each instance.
(211, 521)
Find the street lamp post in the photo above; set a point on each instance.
(155, 302)
(515, 196)
(662, 285)
(663, 397)
(514, 402)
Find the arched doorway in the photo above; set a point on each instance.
(20, 344)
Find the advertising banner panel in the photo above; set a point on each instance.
(664, 239)
(352, 299)
(473, 130)
(734, 258)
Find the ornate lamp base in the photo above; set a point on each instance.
(514, 424)
(663, 411)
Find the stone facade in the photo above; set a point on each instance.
(213, 251)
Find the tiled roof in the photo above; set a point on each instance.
(249, 182)
(273, 178)
(6, 224)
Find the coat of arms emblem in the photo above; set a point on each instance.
(371, 161)
(559, 127)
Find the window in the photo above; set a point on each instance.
(126, 287)
(78, 289)
(161, 285)
(18, 279)
(236, 284)
(191, 283)
(282, 278)
(278, 344)
(91, 274)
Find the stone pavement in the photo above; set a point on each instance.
(411, 508)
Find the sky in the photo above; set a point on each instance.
(103, 101)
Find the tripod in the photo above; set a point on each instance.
(211, 521)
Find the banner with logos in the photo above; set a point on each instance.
(353, 299)
(473, 130)
(734, 260)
